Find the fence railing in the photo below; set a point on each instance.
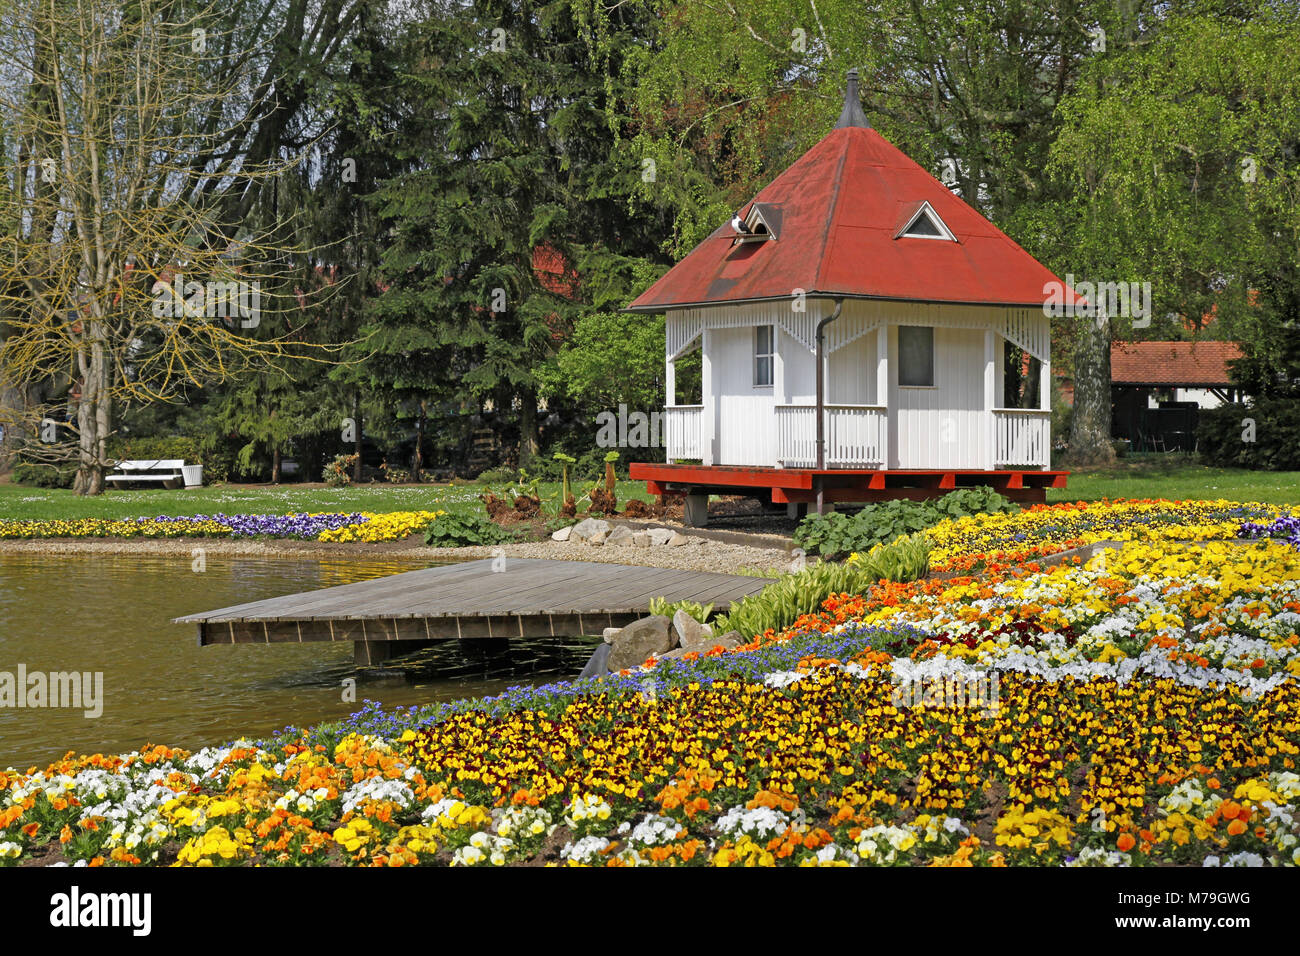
(855, 436)
(1022, 437)
(684, 432)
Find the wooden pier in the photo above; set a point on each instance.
(492, 598)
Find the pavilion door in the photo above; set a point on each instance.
(940, 424)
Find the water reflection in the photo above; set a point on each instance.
(113, 614)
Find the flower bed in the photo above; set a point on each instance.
(978, 541)
(1140, 709)
(357, 526)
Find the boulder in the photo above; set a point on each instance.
(679, 539)
(598, 538)
(674, 653)
(730, 640)
(691, 634)
(587, 527)
(620, 537)
(599, 663)
(563, 534)
(659, 536)
(641, 540)
(610, 633)
(648, 637)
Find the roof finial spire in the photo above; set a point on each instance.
(852, 114)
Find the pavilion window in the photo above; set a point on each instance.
(916, 356)
(763, 356)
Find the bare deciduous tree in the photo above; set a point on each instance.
(118, 270)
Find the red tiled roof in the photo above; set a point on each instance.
(841, 204)
(1186, 364)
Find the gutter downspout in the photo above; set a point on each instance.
(821, 399)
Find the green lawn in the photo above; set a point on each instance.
(17, 501)
(1149, 478)
(1133, 478)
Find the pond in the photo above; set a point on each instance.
(112, 615)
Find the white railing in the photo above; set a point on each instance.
(1022, 437)
(684, 432)
(855, 436)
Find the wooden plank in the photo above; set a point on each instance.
(531, 597)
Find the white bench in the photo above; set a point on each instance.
(166, 470)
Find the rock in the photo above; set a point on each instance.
(620, 537)
(659, 536)
(599, 663)
(678, 539)
(691, 634)
(610, 633)
(730, 640)
(598, 538)
(674, 653)
(563, 534)
(648, 637)
(586, 528)
(641, 540)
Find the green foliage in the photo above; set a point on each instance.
(788, 598)
(495, 476)
(696, 610)
(612, 358)
(464, 530)
(145, 448)
(1274, 445)
(839, 534)
(44, 476)
(338, 472)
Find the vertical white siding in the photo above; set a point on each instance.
(746, 432)
(800, 365)
(944, 426)
(852, 375)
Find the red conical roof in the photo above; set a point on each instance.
(841, 208)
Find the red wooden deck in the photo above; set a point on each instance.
(801, 485)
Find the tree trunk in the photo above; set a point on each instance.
(14, 402)
(356, 445)
(275, 465)
(528, 437)
(417, 460)
(1090, 427)
(94, 417)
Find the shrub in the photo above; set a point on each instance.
(44, 476)
(464, 530)
(338, 472)
(151, 448)
(838, 534)
(495, 476)
(1224, 435)
(790, 597)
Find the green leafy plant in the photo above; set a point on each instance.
(566, 495)
(836, 534)
(696, 610)
(464, 530)
(791, 596)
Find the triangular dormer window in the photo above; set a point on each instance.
(763, 221)
(922, 222)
